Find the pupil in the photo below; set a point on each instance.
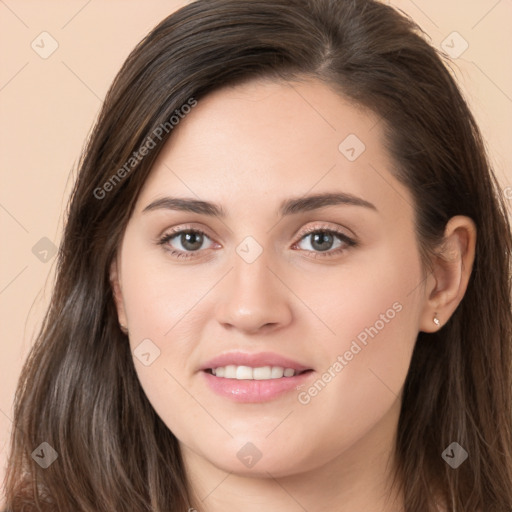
(189, 241)
(321, 239)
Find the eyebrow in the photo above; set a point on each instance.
(288, 207)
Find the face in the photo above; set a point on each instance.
(273, 310)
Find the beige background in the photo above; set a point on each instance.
(48, 106)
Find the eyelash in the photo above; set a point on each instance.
(166, 238)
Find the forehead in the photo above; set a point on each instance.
(277, 120)
(266, 139)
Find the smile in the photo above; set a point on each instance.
(249, 373)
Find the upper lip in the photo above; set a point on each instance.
(255, 360)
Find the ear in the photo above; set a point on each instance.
(115, 282)
(452, 267)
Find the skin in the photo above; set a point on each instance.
(248, 148)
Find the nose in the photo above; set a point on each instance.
(253, 298)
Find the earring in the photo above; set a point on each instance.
(436, 320)
(124, 329)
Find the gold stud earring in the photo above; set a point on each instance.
(436, 320)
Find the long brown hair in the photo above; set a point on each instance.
(78, 390)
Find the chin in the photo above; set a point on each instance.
(248, 460)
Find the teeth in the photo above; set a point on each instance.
(248, 373)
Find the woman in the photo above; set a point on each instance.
(290, 192)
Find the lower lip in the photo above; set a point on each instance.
(255, 390)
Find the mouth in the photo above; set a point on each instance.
(257, 377)
(254, 373)
(253, 366)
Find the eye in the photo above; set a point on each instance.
(187, 240)
(326, 242)
(323, 242)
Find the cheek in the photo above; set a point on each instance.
(371, 297)
(167, 308)
(157, 297)
(374, 316)
(164, 323)
(163, 335)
